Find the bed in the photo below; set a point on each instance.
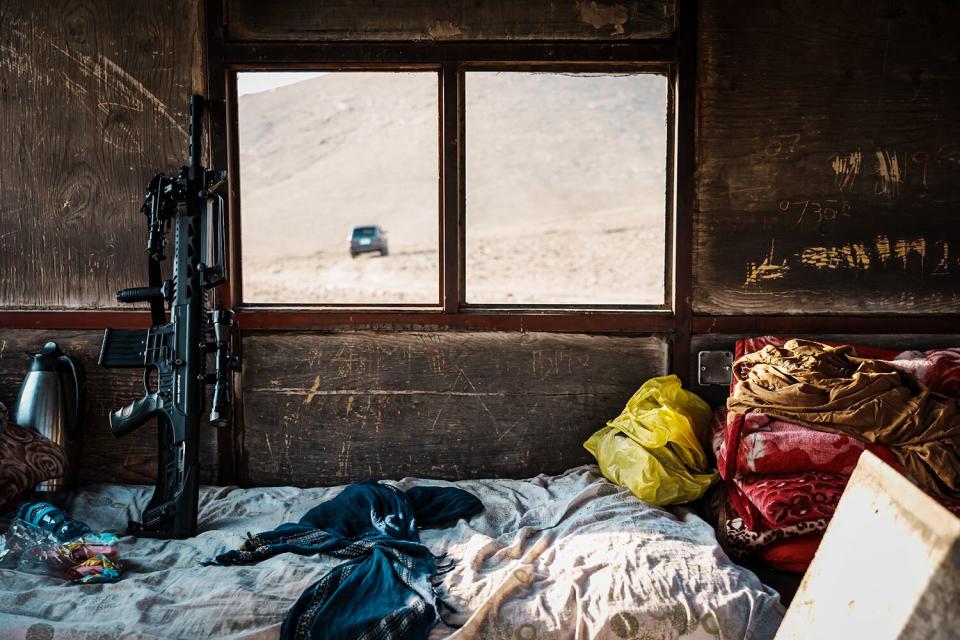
(567, 556)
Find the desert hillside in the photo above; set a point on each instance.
(564, 188)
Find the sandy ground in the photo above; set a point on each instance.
(613, 260)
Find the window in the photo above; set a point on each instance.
(457, 187)
(565, 188)
(339, 187)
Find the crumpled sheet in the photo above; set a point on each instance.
(570, 556)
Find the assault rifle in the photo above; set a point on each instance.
(174, 353)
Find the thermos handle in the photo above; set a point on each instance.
(79, 379)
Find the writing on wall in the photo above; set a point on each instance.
(828, 175)
(862, 191)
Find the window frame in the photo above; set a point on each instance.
(235, 205)
(666, 69)
(452, 60)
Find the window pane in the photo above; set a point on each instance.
(339, 187)
(565, 188)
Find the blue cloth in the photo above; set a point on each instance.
(385, 589)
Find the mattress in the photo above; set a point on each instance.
(568, 556)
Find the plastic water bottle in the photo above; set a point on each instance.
(54, 521)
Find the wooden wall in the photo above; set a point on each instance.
(828, 158)
(335, 408)
(93, 97)
(98, 457)
(254, 20)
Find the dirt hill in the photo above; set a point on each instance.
(564, 188)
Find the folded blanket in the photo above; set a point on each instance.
(784, 479)
(794, 555)
(384, 591)
(751, 345)
(754, 443)
(787, 548)
(780, 473)
(830, 389)
(938, 369)
(780, 519)
(775, 501)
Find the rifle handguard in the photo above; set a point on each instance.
(135, 414)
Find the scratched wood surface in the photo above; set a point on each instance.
(93, 96)
(335, 408)
(829, 157)
(98, 455)
(253, 20)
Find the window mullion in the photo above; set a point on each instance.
(451, 130)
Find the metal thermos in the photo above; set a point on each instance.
(52, 400)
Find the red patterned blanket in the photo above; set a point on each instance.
(782, 476)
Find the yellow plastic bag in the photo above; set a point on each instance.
(653, 447)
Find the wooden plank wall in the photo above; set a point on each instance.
(335, 408)
(93, 97)
(827, 182)
(828, 157)
(99, 457)
(253, 20)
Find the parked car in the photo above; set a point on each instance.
(367, 239)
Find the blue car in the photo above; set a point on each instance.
(368, 239)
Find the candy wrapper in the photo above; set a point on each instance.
(87, 546)
(91, 557)
(99, 568)
(24, 546)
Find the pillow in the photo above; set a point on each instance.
(27, 459)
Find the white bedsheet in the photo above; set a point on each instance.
(570, 556)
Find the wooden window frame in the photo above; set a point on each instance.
(452, 60)
(669, 71)
(235, 275)
(451, 152)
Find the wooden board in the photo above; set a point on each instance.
(888, 567)
(99, 456)
(828, 157)
(253, 20)
(336, 408)
(93, 98)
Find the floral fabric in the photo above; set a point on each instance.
(27, 459)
